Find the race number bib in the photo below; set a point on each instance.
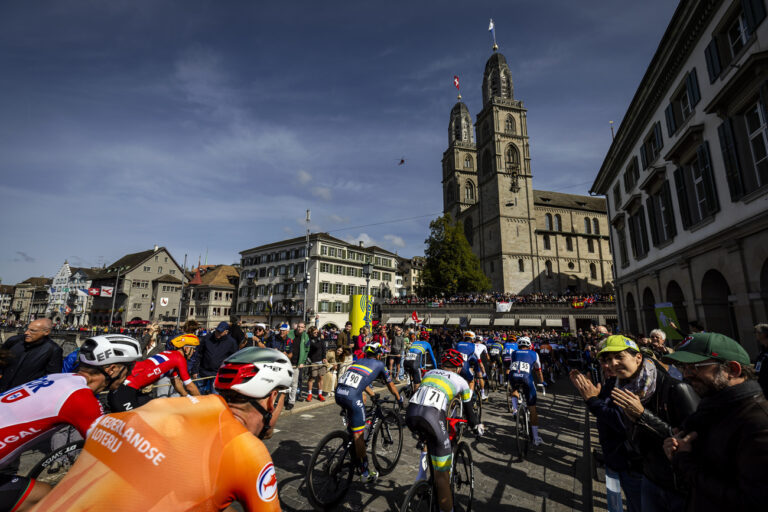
(494, 351)
(464, 356)
(411, 356)
(520, 367)
(351, 379)
(430, 397)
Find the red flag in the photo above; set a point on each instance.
(94, 291)
(456, 82)
(415, 317)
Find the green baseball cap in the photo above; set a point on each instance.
(617, 343)
(701, 346)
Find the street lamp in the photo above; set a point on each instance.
(367, 270)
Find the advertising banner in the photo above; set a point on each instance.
(665, 312)
(503, 307)
(360, 312)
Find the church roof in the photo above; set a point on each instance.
(496, 60)
(572, 201)
(459, 108)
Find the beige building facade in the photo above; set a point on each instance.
(527, 240)
(210, 295)
(686, 177)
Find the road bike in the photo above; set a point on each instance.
(54, 465)
(523, 433)
(332, 466)
(407, 391)
(422, 496)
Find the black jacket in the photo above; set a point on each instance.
(761, 365)
(212, 352)
(237, 333)
(612, 430)
(30, 361)
(728, 466)
(317, 350)
(671, 403)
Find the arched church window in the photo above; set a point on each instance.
(469, 192)
(595, 227)
(513, 158)
(457, 130)
(468, 229)
(548, 266)
(509, 125)
(495, 84)
(548, 222)
(592, 271)
(468, 162)
(587, 226)
(547, 244)
(451, 192)
(558, 222)
(521, 265)
(487, 162)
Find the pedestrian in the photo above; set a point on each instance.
(653, 403)
(396, 353)
(721, 451)
(259, 335)
(360, 341)
(299, 352)
(345, 337)
(317, 360)
(236, 331)
(32, 355)
(214, 348)
(761, 363)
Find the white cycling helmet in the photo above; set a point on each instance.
(110, 349)
(524, 341)
(373, 348)
(255, 372)
(469, 334)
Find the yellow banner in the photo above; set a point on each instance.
(360, 312)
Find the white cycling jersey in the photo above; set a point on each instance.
(480, 349)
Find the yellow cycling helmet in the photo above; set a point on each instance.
(185, 340)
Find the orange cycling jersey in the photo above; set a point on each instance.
(172, 454)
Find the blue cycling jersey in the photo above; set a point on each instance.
(524, 362)
(360, 375)
(420, 348)
(509, 348)
(467, 349)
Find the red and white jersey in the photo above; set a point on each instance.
(170, 362)
(39, 407)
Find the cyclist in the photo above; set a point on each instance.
(525, 363)
(466, 348)
(495, 352)
(481, 356)
(170, 363)
(34, 411)
(349, 395)
(212, 444)
(545, 353)
(426, 413)
(415, 359)
(509, 348)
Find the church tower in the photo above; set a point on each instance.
(499, 219)
(460, 163)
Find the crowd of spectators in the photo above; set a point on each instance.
(497, 297)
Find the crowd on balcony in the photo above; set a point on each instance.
(496, 297)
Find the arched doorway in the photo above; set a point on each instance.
(676, 297)
(649, 312)
(718, 314)
(631, 314)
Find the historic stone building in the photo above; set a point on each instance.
(210, 294)
(527, 240)
(69, 301)
(687, 175)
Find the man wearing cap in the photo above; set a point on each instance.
(214, 348)
(721, 451)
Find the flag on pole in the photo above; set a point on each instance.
(106, 291)
(94, 291)
(456, 82)
(270, 301)
(492, 30)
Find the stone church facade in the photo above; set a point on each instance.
(527, 240)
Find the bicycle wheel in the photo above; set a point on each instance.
(456, 410)
(509, 398)
(52, 468)
(492, 379)
(419, 498)
(406, 392)
(330, 471)
(387, 443)
(521, 431)
(463, 478)
(478, 406)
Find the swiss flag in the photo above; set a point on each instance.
(94, 291)
(456, 82)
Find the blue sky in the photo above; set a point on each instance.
(213, 126)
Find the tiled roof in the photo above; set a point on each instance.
(573, 201)
(219, 277)
(38, 281)
(167, 278)
(89, 272)
(6, 289)
(125, 263)
(319, 236)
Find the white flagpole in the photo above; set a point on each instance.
(114, 296)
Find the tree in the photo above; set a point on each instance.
(451, 266)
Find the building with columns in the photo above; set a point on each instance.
(527, 240)
(686, 177)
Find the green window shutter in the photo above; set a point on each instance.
(652, 220)
(754, 13)
(669, 115)
(666, 198)
(712, 56)
(657, 134)
(682, 198)
(643, 157)
(692, 86)
(731, 159)
(710, 189)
